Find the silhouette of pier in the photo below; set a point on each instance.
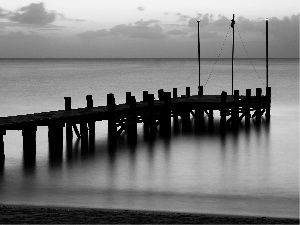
(153, 113)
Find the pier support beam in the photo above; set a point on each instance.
(258, 108)
(2, 155)
(84, 136)
(247, 109)
(223, 111)
(188, 92)
(29, 141)
(112, 127)
(211, 120)
(165, 115)
(185, 120)
(69, 132)
(200, 90)
(151, 119)
(91, 123)
(132, 129)
(145, 119)
(268, 108)
(161, 94)
(175, 114)
(235, 113)
(55, 138)
(128, 96)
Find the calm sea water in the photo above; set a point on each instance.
(252, 172)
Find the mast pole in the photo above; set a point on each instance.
(232, 25)
(199, 49)
(267, 52)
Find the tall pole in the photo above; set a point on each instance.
(199, 48)
(232, 25)
(267, 52)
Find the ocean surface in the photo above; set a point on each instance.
(252, 172)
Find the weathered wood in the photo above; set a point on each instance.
(175, 113)
(145, 96)
(69, 133)
(165, 115)
(248, 103)
(128, 96)
(55, 137)
(111, 106)
(235, 115)
(91, 123)
(132, 128)
(2, 155)
(268, 108)
(200, 90)
(161, 94)
(258, 108)
(29, 141)
(211, 120)
(151, 118)
(188, 92)
(84, 136)
(223, 109)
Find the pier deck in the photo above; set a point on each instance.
(124, 117)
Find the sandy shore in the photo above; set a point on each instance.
(49, 215)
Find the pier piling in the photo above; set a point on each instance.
(111, 105)
(91, 123)
(258, 108)
(268, 107)
(248, 105)
(2, 155)
(29, 140)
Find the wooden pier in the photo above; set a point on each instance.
(125, 117)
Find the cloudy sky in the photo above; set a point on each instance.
(146, 29)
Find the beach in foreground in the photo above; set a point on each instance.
(50, 215)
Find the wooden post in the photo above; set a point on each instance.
(223, 110)
(132, 131)
(2, 155)
(235, 112)
(175, 114)
(29, 141)
(165, 118)
(112, 127)
(128, 96)
(268, 108)
(152, 120)
(91, 123)
(161, 94)
(185, 120)
(84, 136)
(188, 92)
(200, 90)
(258, 109)
(69, 133)
(145, 96)
(55, 137)
(248, 104)
(145, 119)
(211, 120)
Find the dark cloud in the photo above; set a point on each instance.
(176, 32)
(141, 29)
(34, 14)
(141, 8)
